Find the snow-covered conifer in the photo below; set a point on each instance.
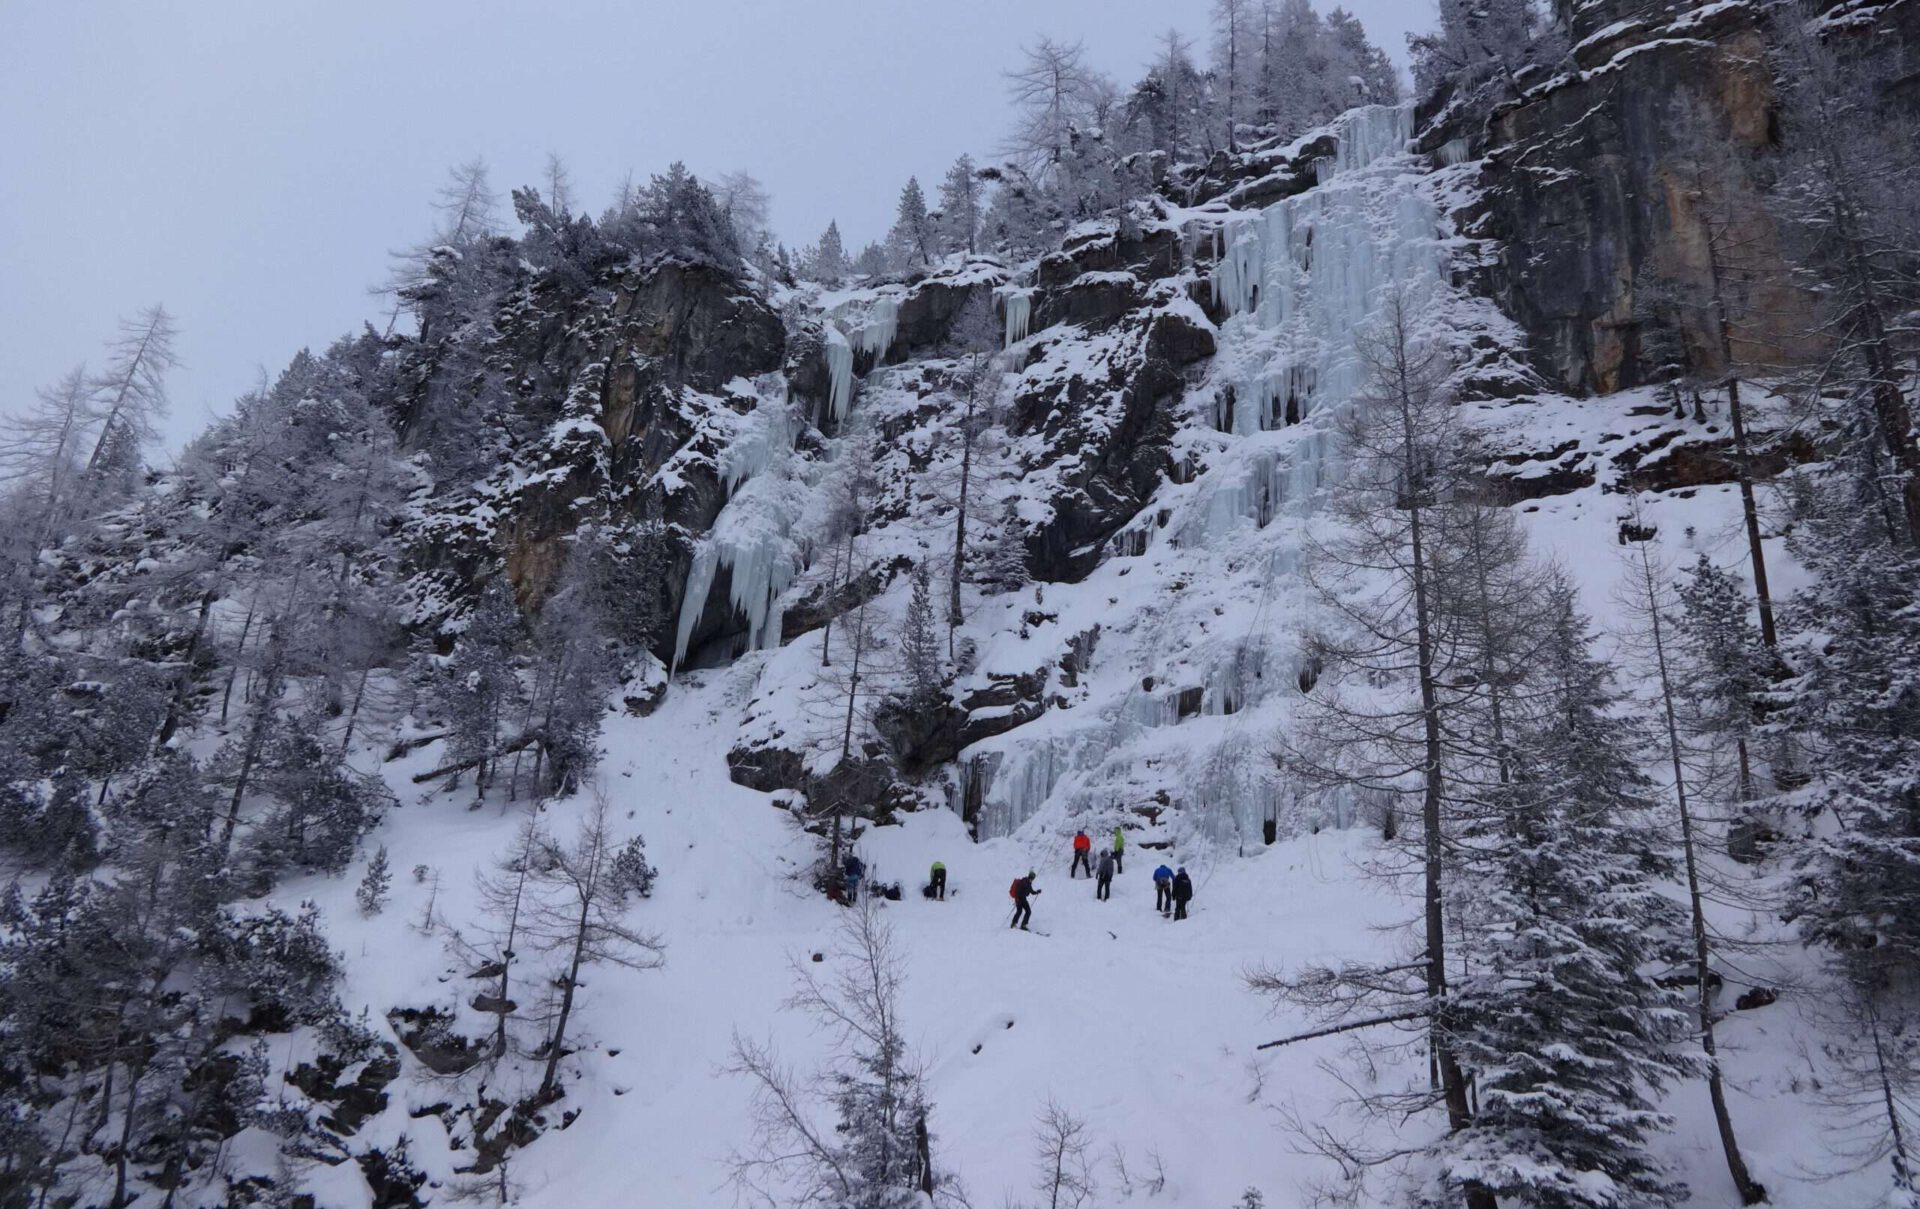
(962, 208)
(1557, 1015)
(375, 883)
(912, 240)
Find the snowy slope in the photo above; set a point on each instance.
(1140, 1025)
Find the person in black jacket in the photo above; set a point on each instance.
(1182, 892)
(852, 870)
(1103, 877)
(1023, 889)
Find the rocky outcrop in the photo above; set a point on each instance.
(948, 313)
(1606, 183)
(1263, 174)
(1148, 246)
(1096, 412)
(1094, 301)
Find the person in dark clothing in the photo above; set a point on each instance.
(852, 869)
(1182, 893)
(1103, 877)
(1023, 889)
(1082, 855)
(1163, 890)
(937, 881)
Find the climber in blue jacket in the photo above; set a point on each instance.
(1163, 890)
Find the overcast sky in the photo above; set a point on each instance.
(251, 162)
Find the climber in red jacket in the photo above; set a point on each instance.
(1082, 855)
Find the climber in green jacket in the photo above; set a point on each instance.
(937, 882)
(1119, 850)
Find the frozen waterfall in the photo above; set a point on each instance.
(751, 538)
(882, 324)
(1018, 304)
(839, 356)
(1300, 278)
(1213, 559)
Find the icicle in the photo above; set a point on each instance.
(1236, 278)
(1018, 304)
(883, 321)
(1453, 151)
(750, 538)
(694, 601)
(839, 371)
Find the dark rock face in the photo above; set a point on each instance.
(355, 1100)
(1094, 301)
(939, 313)
(429, 1035)
(1149, 251)
(1262, 175)
(1597, 206)
(921, 737)
(1602, 184)
(616, 381)
(766, 768)
(1010, 701)
(685, 325)
(1102, 413)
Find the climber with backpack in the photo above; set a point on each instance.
(1021, 890)
(1163, 890)
(1082, 855)
(1103, 878)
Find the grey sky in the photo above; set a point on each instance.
(251, 162)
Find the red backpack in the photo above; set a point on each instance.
(1013, 891)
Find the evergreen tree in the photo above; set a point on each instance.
(375, 883)
(318, 806)
(826, 261)
(1724, 664)
(873, 262)
(1565, 1031)
(1848, 200)
(1855, 705)
(573, 671)
(962, 208)
(912, 240)
(1002, 567)
(1480, 47)
(920, 645)
(1167, 110)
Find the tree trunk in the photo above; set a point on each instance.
(353, 713)
(226, 698)
(559, 1038)
(1744, 469)
(1751, 1193)
(1453, 1084)
(178, 704)
(960, 520)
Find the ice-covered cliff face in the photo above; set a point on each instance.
(1166, 497)
(1193, 622)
